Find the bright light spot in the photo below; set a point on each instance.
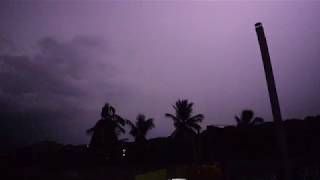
(178, 179)
(124, 152)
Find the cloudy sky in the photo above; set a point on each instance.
(61, 60)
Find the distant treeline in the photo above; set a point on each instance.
(251, 139)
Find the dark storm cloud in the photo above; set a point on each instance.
(50, 85)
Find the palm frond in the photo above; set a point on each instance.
(150, 123)
(133, 128)
(237, 119)
(196, 127)
(90, 131)
(171, 116)
(112, 110)
(119, 119)
(130, 124)
(119, 129)
(196, 119)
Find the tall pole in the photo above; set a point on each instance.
(274, 101)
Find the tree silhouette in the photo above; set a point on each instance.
(140, 128)
(185, 123)
(106, 131)
(247, 119)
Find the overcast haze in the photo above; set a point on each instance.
(60, 61)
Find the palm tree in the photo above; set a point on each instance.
(186, 124)
(247, 119)
(141, 127)
(106, 131)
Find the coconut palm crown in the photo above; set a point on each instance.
(141, 127)
(186, 124)
(106, 131)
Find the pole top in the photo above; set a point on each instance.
(258, 25)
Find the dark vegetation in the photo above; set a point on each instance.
(244, 150)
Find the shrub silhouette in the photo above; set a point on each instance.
(247, 119)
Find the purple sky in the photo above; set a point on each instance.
(60, 61)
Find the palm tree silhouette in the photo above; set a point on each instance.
(185, 123)
(247, 119)
(106, 131)
(140, 128)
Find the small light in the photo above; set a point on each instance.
(124, 152)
